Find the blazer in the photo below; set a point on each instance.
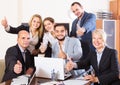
(12, 55)
(107, 71)
(88, 21)
(72, 48)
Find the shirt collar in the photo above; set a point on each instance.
(21, 49)
(101, 51)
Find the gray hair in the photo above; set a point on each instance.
(101, 33)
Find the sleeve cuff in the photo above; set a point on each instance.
(7, 28)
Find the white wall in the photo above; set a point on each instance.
(18, 11)
(8, 8)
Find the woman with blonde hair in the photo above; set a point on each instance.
(104, 61)
(34, 28)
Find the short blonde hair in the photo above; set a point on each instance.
(101, 33)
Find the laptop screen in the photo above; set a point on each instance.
(45, 66)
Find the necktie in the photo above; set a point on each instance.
(23, 54)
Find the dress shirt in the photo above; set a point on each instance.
(22, 51)
(78, 23)
(99, 55)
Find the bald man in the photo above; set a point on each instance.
(15, 62)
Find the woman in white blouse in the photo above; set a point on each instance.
(49, 37)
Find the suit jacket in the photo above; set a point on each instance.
(12, 55)
(88, 21)
(107, 71)
(72, 48)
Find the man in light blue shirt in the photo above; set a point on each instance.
(66, 47)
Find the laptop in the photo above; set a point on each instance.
(31, 77)
(45, 67)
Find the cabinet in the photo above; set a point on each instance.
(112, 29)
(115, 8)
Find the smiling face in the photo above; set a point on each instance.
(98, 39)
(35, 23)
(48, 25)
(77, 10)
(60, 32)
(23, 39)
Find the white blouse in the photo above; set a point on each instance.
(48, 37)
(33, 41)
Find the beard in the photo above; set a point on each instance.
(61, 39)
(81, 15)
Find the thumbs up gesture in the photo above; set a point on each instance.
(43, 48)
(4, 22)
(70, 65)
(18, 67)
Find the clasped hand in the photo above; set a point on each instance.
(91, 78)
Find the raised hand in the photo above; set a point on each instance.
(70, 65)
(80, 31)
(29, 71)
(4, 22)
(18, 67)
(43, 48)
(91, 78)
(35, 52)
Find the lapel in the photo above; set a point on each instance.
(27, 54)
(94, 61)
(75, 26)
(83, 18)
(66, 44)
(104, 56)
(20, 56)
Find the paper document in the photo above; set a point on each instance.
(21, 80)
(75, 82)
(53, 83)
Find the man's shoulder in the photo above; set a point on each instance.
(86, 14)
(73, 39)
(12, 49)
(89, 13)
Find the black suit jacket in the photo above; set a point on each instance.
(107, 71)
(12, 55)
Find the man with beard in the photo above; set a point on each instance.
(65, 47)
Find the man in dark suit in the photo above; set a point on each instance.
(83, 26)
(17, 63)
(103, 60)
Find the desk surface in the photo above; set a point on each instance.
(42, 81)
(39, 81)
